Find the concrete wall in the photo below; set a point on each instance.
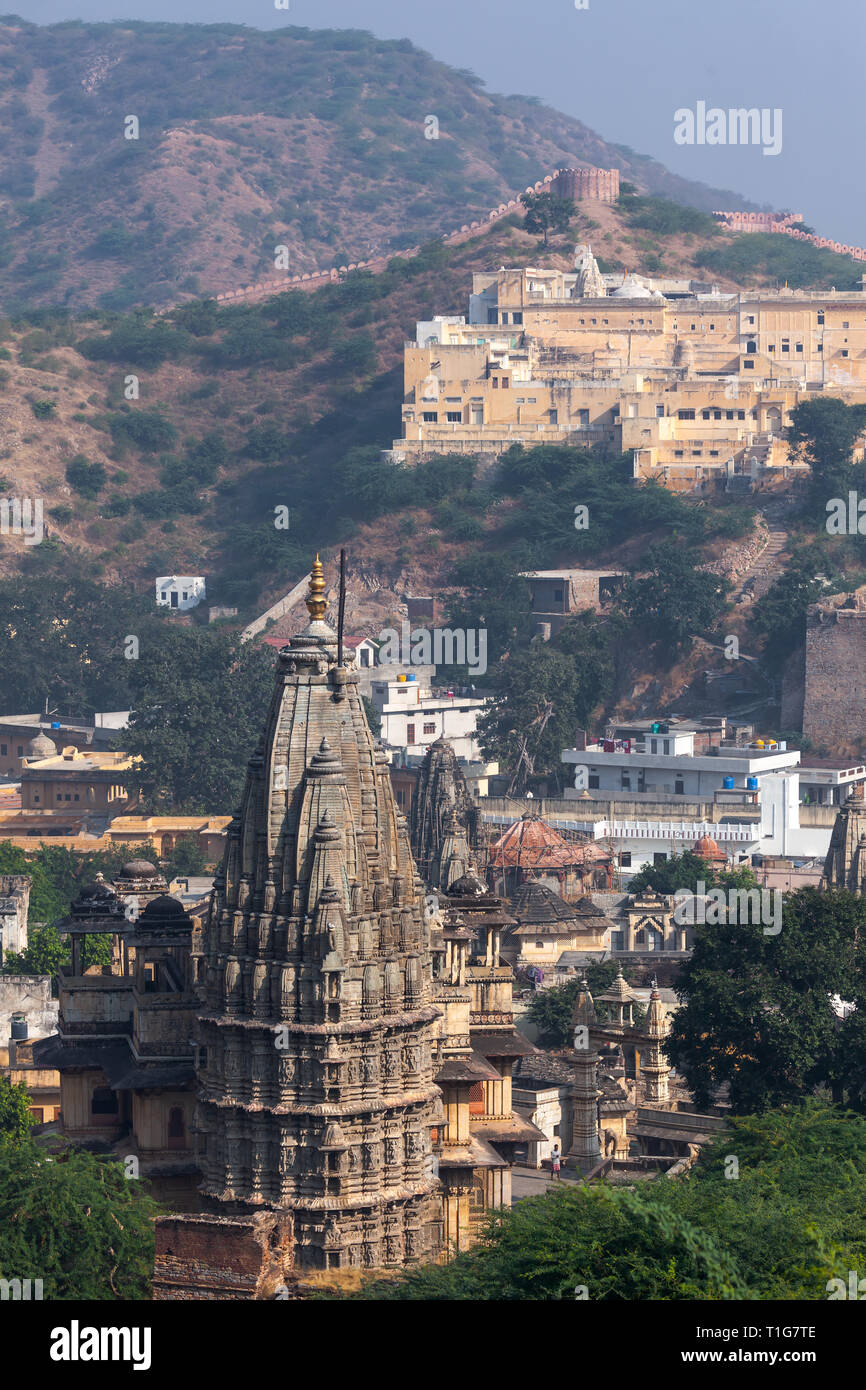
(30, 995)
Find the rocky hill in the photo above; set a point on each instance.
(164, 443)
(144, 162)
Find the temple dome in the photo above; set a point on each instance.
(707, 848)
(139, 868)
(41, 747)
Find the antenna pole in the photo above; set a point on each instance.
(342, 608)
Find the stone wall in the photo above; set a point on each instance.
(834, 705)
(218, 1257)
(29, 995)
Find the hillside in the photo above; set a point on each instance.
(286, 403)
(246, 141)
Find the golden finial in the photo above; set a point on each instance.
(316, 604)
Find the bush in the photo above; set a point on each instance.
(86, 478)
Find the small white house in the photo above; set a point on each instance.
(181, 591)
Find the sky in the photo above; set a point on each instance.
(625, 67)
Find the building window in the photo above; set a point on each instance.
(660, 857)
(593, 781)
(492, 315)
(845, 323)
(678, 453)
(799, 347)
(751, 318)
(430, 728)
(741, 414)
(21, 750)
(617, 941)
(517, 317)
(844, 352)
(539, 945)
(748, 366)
(495, 383)
(36, 798)
(660, 412)
(625, 859)
(505, 383)
(686, 414)
(3, 750)
(820, 318)
(176, 1126)
(410, 733)
(104, 1101)
(454, 417)
(705, 415)
(430, 417)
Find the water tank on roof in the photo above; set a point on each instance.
(411, 676)
(728, 783)
(19, 1028)
(752, 784)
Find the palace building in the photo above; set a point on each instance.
(697, 384)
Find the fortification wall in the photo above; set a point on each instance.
(602, 184)
(834, 705)
(785, 225)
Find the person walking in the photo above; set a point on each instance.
(555, 1161)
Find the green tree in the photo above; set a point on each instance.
(76, 1222)
(187, 857)
(84, 477)
(675, 599)
(532, 712)
(15, 1115)
(823, 432)
(551, 1009)
(546, 213)
(198, 697)
(756, 1008)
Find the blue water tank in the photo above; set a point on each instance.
(752, 784)
(410, 676)
(728, 783)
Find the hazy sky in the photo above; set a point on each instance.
(624, 67)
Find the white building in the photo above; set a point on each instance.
(413, 718)
(667, 762)
(753, 794)
(180, 591)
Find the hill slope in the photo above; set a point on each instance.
(310, 140)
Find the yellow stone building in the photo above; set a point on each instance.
(697, 383)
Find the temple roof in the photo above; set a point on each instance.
(530, 843)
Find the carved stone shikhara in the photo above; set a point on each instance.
(317, 1096)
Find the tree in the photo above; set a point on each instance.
(687, 870)
(823, 432)
(780, 616)
(793, 1221)
(76, 1222)
(551, 1009)
(756, 1009)
(545, 213)
(532, 713)
(15, 1114)
(675, 598)
(187, 857)
(199, 697)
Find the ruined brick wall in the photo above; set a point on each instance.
(217, 1257)
(834, 706)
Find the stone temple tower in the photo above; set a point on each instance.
(316, 1097)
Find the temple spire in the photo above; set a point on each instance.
(316, 602)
